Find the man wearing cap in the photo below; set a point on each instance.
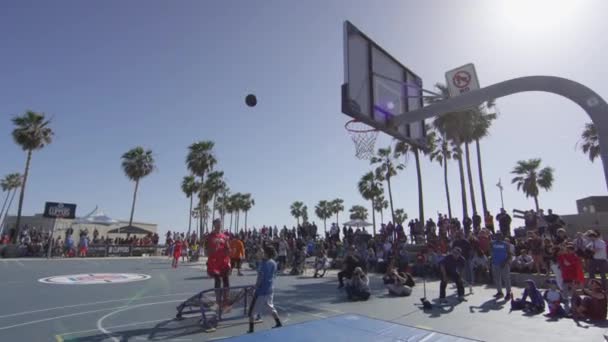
(501, 267)
(451, 268)
(598, 263)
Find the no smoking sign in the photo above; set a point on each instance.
(462, 80)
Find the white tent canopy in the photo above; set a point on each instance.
(357, 223)
(97, 216)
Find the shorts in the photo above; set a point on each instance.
(83, 250)
(262, 305)
(217, 268)
(236, 263)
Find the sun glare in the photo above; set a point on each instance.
(537, 16)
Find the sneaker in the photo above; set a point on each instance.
(508, 296)
(461, 298)
(498, 295)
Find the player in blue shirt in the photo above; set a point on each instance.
(501, 266)
(263, 297)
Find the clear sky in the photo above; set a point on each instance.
(163, 74)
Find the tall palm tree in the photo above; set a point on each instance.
(200, 160)
(400, 216)
(380, 205)
(403, 148)
(337, 206)
(481, 129)
(10, 183)
(590, 141)
(324, 211)
(189, 187)
(358, 212)
(296, 210)
(370, 188)
(222, 203)
(442, 153)
(237, 205)
(304, 214)
(248, 203)
(387, 168)
(137, 163)
(31, 133)
(214, 185)
(529, 178)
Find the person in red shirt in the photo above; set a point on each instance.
(572, 272)
(177, 252)
(218, 260)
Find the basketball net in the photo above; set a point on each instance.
(364, 138)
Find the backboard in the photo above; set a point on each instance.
(377, 87)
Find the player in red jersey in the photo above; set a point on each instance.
(218, 260)
(177, 252)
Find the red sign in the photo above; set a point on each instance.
(461, 79)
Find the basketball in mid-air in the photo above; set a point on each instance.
(251, 100)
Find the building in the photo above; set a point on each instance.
(96, 219)
(592, 214)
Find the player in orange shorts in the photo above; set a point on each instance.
(218, 261)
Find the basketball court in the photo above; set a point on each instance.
(123, 305)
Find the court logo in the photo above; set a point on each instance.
(94, 278)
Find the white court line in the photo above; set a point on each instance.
(20, 263)
(57, 317)
(112, 327)
(109, 333)
(289, 308)
(92, 303)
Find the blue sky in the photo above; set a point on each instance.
(161, 74)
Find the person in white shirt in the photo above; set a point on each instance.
(524, 262)
(599, 262)
(282, 259)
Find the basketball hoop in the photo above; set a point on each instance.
(364, 138)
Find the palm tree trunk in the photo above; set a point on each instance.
(390, 197)
(8, 208)
(325, 224)
(536, 203)
(484, 203)
(337, 224)
(463, 190)
(381, 216)
(22, 194)
(447, 188)
(190, 215)
(133, 204)
(470, 176)
(231, 216)
(419, 174)
(8, 192)
(246, 220)
(213, 210)
(373, 218)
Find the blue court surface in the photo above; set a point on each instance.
(351, 328)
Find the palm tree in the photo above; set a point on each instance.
(529, 179)
(443, 152)
(214, 186)
(189, 187)
(386, 169)
(481, 129)
(31, 133)
(10, 183)
(400, 216)
(137, 163)
(304, 214)
(200, 160)
(296, 210)
(380, 205)
(222, 203)
(337, 205)
(403, 148)
(358, 212)
(238, 204)
(248, 203)
(370, 188)
(590, 141)
(323, 211)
